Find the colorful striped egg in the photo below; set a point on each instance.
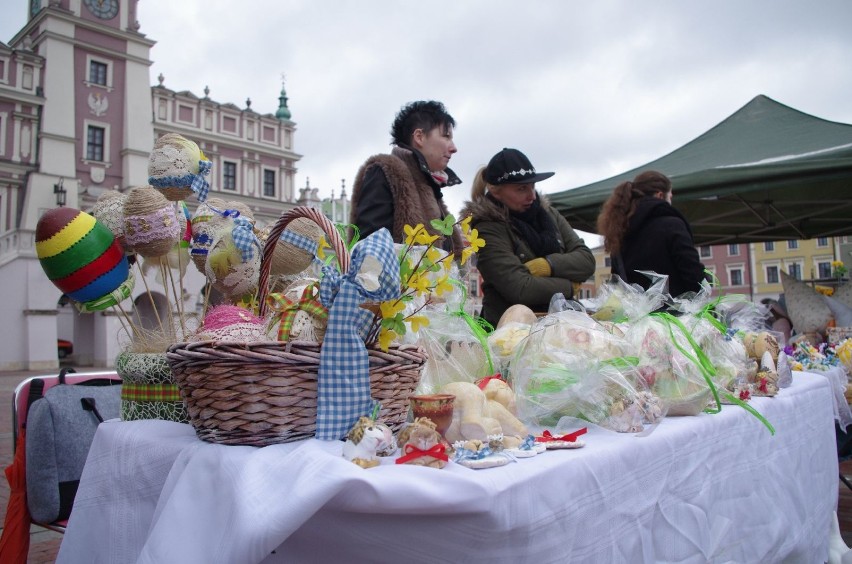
(79, 254)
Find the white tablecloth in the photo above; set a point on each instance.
(711, 488)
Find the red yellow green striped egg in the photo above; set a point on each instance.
(79, 254)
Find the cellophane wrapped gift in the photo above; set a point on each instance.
(618, 302)
(457, 349)
(504, 342)
(571, 366)
(672, 363)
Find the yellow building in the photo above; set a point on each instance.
(808, 259)
(754, 269)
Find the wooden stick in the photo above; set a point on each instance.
(150, 297)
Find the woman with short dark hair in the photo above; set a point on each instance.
(404, 187)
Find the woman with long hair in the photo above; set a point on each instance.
(643, 231)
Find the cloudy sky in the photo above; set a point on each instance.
(586, 88)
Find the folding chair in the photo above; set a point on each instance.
(24, 395)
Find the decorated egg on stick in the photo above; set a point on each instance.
(79, 254)
(177, 167)
(109, 210)
(151, 226)
(233, 263)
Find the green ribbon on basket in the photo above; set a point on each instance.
(286, 309)
(706, 367)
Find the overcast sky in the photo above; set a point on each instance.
(586, 88)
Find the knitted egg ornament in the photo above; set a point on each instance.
(232, 323)
(151, 227)
(109, 210)
(205, 224)
(296, 249)
(79, 254)
(177, 167)
(233, 271)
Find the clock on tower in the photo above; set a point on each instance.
(103, 9)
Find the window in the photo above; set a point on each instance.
(736, 276)
(269, 183)
(186, 113)
(229, 179)
(608, 262)
(95, 143)
(795, 270)
(27, 78)
(97, 73)
(705, 251)
(268, 134)
(769, 246)
(822, 241)
(792, 245)
(772, 275)
(824, 269)
(733, 250)
(100, 72)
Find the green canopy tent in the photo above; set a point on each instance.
(768, 172)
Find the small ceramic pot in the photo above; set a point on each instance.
(437, 407)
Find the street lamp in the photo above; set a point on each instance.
(60, 192)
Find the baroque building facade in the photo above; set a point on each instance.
(78, 117)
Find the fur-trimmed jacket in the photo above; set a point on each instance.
(506, 281)
(396, 190)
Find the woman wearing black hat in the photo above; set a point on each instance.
(643, 231)
(530, 252)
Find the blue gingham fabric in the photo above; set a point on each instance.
(196, 182)
(344, 370)
(244, 237)
(199, 184)
(300, 241)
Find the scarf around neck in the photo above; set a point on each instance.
(536, 227)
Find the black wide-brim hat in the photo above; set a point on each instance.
(510, 166)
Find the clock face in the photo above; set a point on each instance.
(103, 9)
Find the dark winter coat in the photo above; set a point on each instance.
(659, 239)
(396, 190)
(506, 281)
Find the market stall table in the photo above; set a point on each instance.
(711, 488)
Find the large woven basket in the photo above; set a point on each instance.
(264, 393)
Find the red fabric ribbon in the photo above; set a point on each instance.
(412, 452)
(546, 437)
(482, 382)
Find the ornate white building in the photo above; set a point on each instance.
(78, 116)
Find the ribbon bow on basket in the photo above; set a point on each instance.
(344, 388)
(267, 392)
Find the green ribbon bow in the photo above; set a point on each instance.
(286, 309)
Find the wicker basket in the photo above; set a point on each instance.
(265, 393)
